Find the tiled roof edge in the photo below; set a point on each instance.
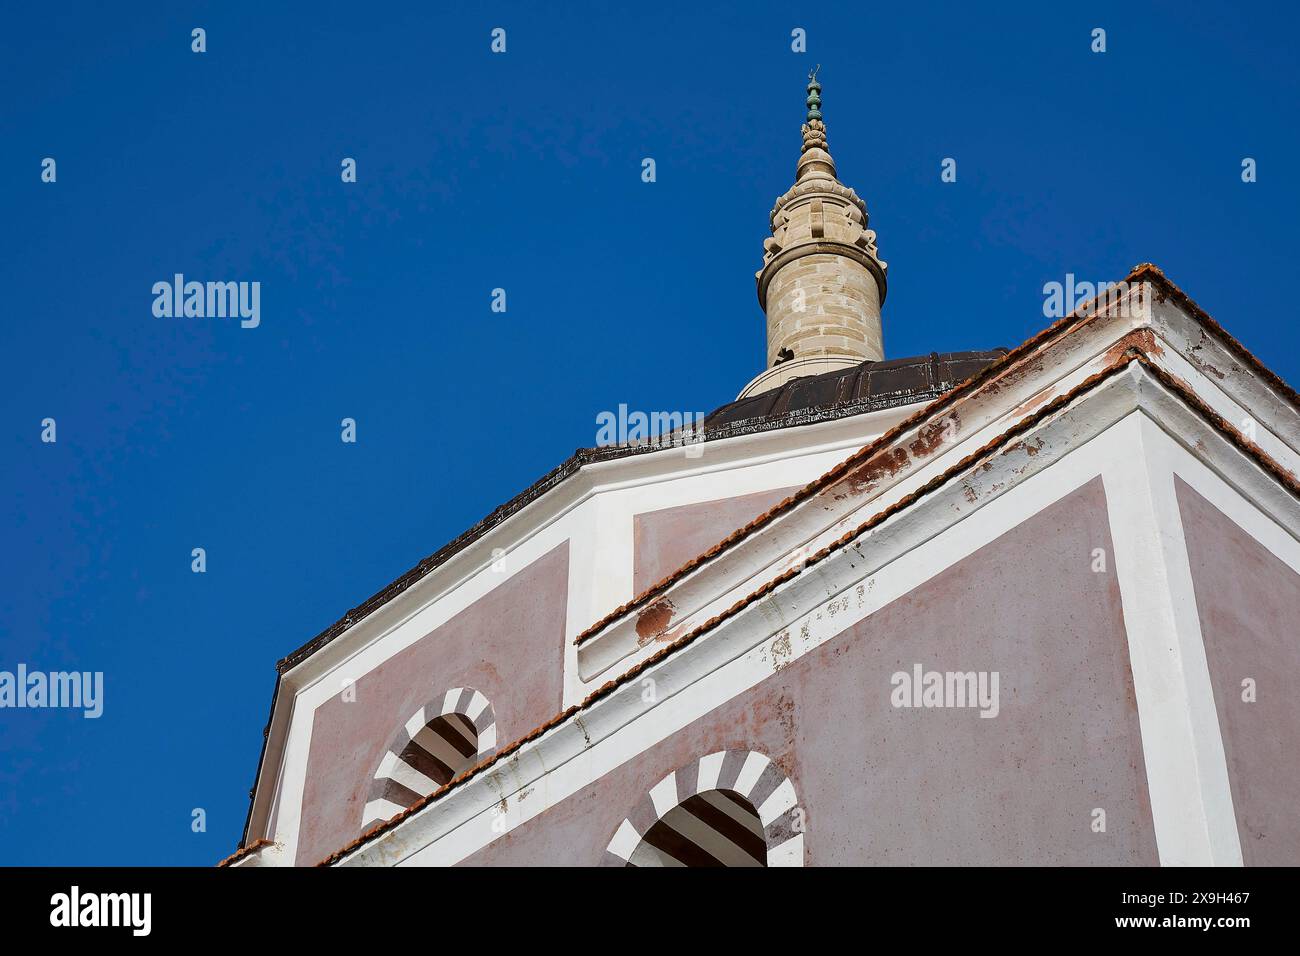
(1133, 354)
(1143, 272)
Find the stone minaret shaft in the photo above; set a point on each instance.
(822, 282)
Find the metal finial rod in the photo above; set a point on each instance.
(814, 95)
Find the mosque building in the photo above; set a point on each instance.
(1026, 606)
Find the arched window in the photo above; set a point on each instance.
(443, 738)
(731, 808)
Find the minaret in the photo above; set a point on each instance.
(822, 281)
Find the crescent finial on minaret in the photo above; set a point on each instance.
(814, 94)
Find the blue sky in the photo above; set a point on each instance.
(519, 171)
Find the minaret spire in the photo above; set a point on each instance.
(822, 282)
(815, 157)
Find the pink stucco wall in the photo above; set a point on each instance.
(509, 645)
(664, 540)
(1248, 603)
(881, 785)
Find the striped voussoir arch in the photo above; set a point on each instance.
(444, 737)
(731, 808)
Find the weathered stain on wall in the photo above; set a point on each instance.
(881, 785)
(653, 620)
(1248, 602)
(519, 625)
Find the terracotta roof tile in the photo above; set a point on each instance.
(245, 851)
